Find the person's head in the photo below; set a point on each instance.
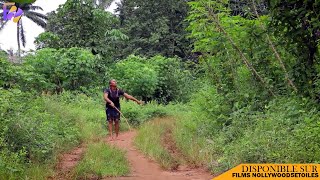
(113, 83)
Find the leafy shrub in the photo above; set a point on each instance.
(76, 68)
(136, 77)
(137, 115)
(157, 78)
(8, 77)
(210, 110)
(11, 163)
(28, 126)
(46, 40)
(286, 131)
(68, 69)
(44, 63)
(174, 81)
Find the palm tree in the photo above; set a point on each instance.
(29, 12)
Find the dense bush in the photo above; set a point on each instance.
(174, 79)
(69, 69)
(135, 76)
(286, 131)
(22, 77)
(137, 115)
(35, 129)
(6, 74)
(157, 78)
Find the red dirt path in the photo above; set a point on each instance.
(143, 168)
(67, 162)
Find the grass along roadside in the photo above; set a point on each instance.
(150, 141)
(168, 143)
(101, 160)
(197, 151)
(46, 127)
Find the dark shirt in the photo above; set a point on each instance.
(114, 96)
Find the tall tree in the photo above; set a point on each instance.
(79, 23)
(30, 13)
(155, 27)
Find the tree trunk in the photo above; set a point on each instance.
(18, 40)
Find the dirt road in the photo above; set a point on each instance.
(144, 168)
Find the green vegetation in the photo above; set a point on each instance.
(157, 78)
(281, 134)
(68, 27)
(241, 78)
(52, 65)
(154, 28)
(149, 141)
(35, 131)
(100, 160)
(137, 115)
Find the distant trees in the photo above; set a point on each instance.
(80, 24)
(154, 27)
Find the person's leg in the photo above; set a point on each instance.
(117, 127)
(110, 123)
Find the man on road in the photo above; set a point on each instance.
(112, 98)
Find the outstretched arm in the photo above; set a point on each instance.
(127, 96)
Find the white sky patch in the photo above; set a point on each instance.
(8, 36)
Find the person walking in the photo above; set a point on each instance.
(112, 98)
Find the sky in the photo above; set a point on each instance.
(8, 37)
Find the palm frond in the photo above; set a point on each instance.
(102, 3)
(39, 15)
(31, 7)
(3, 24)
(36, 20)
